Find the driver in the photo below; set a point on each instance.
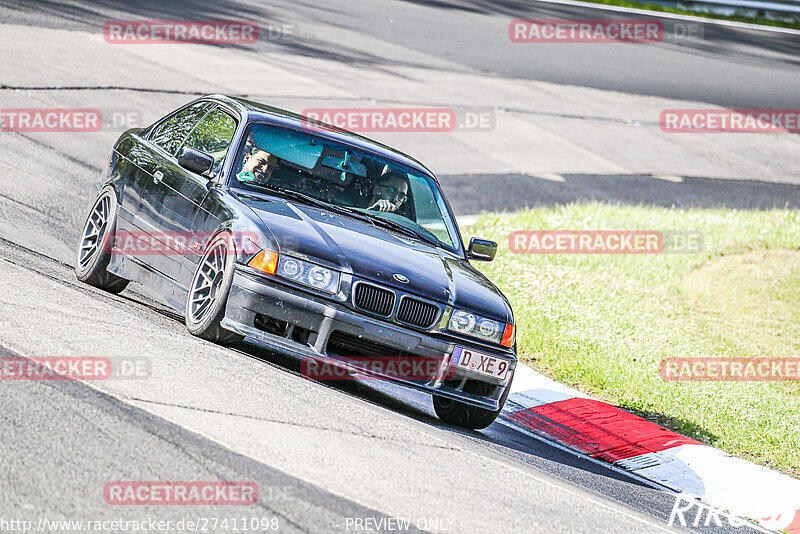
(389, 192)
(257, 167)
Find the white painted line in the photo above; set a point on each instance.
(668, 178)
(675, 16)
(551, 176)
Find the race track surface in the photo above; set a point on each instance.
(324, 455)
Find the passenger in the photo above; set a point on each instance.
(389, 193)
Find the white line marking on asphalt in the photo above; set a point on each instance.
(551, 176)
(668, 178)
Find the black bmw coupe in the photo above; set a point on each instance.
(258, 223)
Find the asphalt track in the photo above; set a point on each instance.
(726, 65)
(321, 454)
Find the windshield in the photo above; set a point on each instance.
(274, 159)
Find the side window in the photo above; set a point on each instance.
(170, 134)
(429, 209)
(213, 135)
(424, 204)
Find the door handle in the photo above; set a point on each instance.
(157, 176)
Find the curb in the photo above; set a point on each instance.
(605, 433)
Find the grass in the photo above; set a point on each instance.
(666, 9)
(603, 323)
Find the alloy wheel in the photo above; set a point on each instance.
(207, 283)
(94, 231)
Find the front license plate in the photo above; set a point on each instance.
(479, 363)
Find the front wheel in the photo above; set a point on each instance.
(208, 296)
(465, 415)
(94, 249)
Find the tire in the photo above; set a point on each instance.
(94, 247)
(467, 416)
(208, 292)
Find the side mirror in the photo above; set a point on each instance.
(195, 160)
(481, 249)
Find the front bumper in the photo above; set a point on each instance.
(253, 298)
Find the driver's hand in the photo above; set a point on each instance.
(383, 205)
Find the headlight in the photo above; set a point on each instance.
(469, 324)
(308, 274)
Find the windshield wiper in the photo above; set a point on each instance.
(352, 212)
(295, 195)
(403, 229)
(312, 201)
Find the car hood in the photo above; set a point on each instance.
(377, 254)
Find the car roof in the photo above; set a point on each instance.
(252, 111)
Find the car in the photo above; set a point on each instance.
(254, 222)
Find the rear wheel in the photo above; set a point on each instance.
(208, 294)
(94, 249)
(465, 415)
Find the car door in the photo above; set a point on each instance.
(175, 194)
(124, 160)
(155, 154)
(151, 153)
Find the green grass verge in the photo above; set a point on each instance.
(603, 323)
(665, 9)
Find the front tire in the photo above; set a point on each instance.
(208, 293)
(94, 248)
(467, 416)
